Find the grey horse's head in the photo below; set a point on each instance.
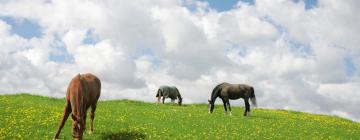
(180, 101)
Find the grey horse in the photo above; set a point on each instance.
(169, 92)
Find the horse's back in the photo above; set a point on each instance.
(88, 84)
(74, 86)
(165, 90)
(174, 92)
(236, 91)
(169, 91)
(93, 85)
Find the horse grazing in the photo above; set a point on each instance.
(228, 91)
(169, 92)
(83, 92)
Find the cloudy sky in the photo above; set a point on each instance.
(298, 55)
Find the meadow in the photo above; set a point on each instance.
(25, 116)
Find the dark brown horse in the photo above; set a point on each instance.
(228, 92)
(82, 93)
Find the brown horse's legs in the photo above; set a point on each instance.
(247, 107)
(67, 112)
(84, 118)
(92, 116)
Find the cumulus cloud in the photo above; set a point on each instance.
(296, 58)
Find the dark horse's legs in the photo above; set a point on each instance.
(92, 116)
(224, 105)
(67, 112)
(163, 99)
(228, 105)
(247, 107)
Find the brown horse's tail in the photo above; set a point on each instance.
(252, 96)
(78, 99)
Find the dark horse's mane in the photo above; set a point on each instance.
(216, 91)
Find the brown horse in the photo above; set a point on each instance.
(82, 93)
(228, 91)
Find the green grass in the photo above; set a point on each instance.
(26, 116)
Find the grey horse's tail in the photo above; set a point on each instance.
(252, 96)
(158, 93)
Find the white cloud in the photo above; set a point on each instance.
(245, 26)
(295, 58)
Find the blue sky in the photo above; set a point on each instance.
(224, 5)
(309, 3)
(23, 27)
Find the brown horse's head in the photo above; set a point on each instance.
(78, 127)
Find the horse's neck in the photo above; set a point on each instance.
(177, 94)
(213, 98)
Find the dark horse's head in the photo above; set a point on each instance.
(211, 106)
(78, 127)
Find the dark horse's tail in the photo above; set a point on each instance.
(252, 96)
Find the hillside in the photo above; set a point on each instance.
(26, 116)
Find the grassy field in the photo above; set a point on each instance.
(26, 116)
